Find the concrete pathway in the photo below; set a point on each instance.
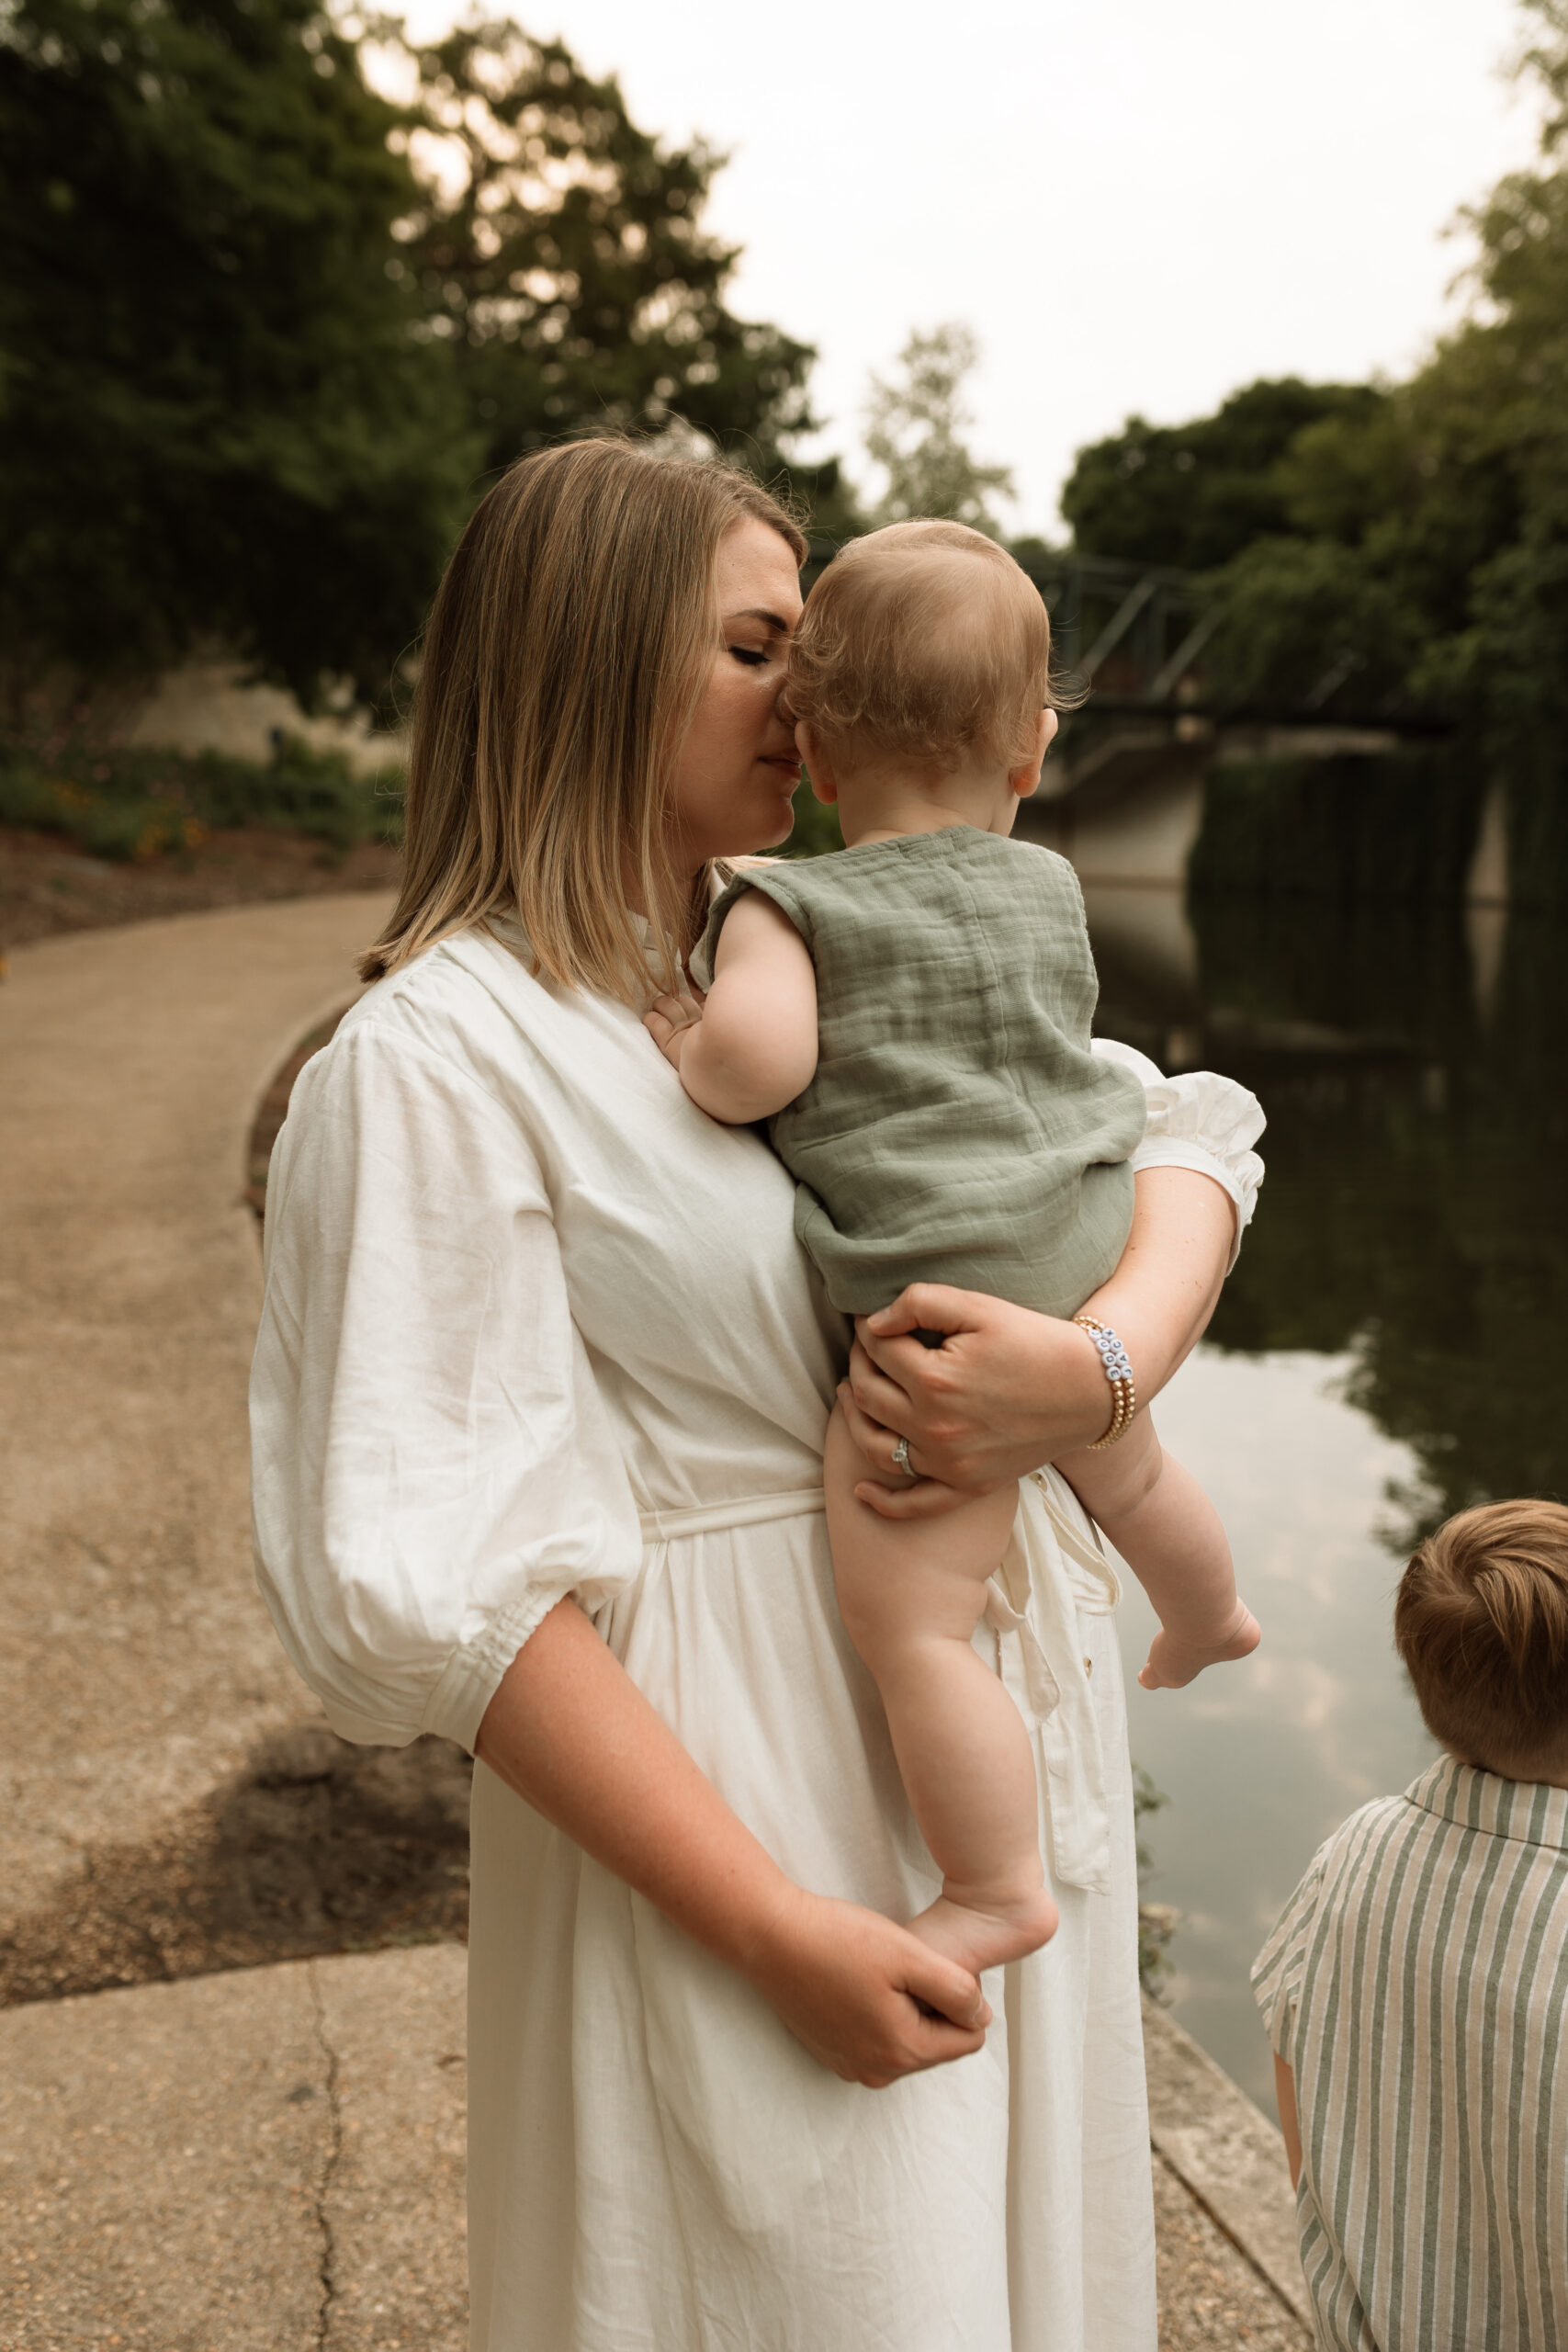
(137, 1665)
(266, 2160)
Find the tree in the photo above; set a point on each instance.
(264, 333)
(558, 251)
(1193, 495)
(218, 415)
(1440, 514)
(916, 431)
(1380, 550)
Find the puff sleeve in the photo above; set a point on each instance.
(432, 1468)
(1200, 1121)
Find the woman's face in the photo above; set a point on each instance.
(737, 767)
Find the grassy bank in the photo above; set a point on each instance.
(138, 804)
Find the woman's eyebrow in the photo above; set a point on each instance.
(756, 612)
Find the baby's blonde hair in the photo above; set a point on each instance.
(927, 642)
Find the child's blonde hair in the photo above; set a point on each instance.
(927, 642)
(1482, 1625)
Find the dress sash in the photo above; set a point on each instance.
(1054, 1571)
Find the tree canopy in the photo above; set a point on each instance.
(265, 332)
(1399, 549)
(560, 251)
(1193, 495)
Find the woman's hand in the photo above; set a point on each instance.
(868, 1999)
(570, 1732)
(1008, 1389)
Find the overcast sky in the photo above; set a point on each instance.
(1137, 204)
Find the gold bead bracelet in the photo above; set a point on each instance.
(1119, 1371)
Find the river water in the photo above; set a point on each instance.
(1393, 1346)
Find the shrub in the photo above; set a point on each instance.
(137, 803)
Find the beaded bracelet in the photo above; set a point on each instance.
(1119, 1373)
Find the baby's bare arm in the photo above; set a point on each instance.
(751, 1046)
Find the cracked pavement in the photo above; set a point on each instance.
(262, 2162)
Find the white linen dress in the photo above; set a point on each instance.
(536, 1326)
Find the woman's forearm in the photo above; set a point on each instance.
(570, 1732)
(1168, 1283)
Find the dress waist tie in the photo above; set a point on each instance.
(748, 1511)
(1052, 1569)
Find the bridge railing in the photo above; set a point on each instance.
(1134, 632)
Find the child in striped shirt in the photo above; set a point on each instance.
(1416, 1990)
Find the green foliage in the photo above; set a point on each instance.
(217, 415)
(1193, 495)
(263, 333)
(1399, 825)
(1157, 1923)
(558, 249)
(817, 829)
(135, 804)
(1406, 550)
(1306, 626)
(915, 431)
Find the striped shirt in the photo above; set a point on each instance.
(1416, 1988)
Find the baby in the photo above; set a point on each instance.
(912, 1017)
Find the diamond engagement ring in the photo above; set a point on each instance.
(901, 1459)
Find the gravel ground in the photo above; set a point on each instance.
(1210, 2296)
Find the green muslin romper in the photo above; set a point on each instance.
(958, 1129)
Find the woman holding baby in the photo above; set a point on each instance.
(539, 1408)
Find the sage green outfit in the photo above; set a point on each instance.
(958, 1128)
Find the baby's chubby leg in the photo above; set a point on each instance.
(1169, 1534)
(911, 1593)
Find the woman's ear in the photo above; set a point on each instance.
(1025, 778)
(818, 767)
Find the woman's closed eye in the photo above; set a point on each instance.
(753, 659)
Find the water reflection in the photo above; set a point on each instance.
(1393, 1346)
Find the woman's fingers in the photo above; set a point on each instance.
(880, 1400)
(868, 1999)
(923, 1306)
(872, 1437)
(943, 1986)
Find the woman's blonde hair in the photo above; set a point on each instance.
(926, 643)
(565, 651)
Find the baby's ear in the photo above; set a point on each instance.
(1025, 778)
(818, 772)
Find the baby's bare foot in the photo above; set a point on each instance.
(982, 1936)
(1172, 1664)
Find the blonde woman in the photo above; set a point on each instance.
(539, 1403)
